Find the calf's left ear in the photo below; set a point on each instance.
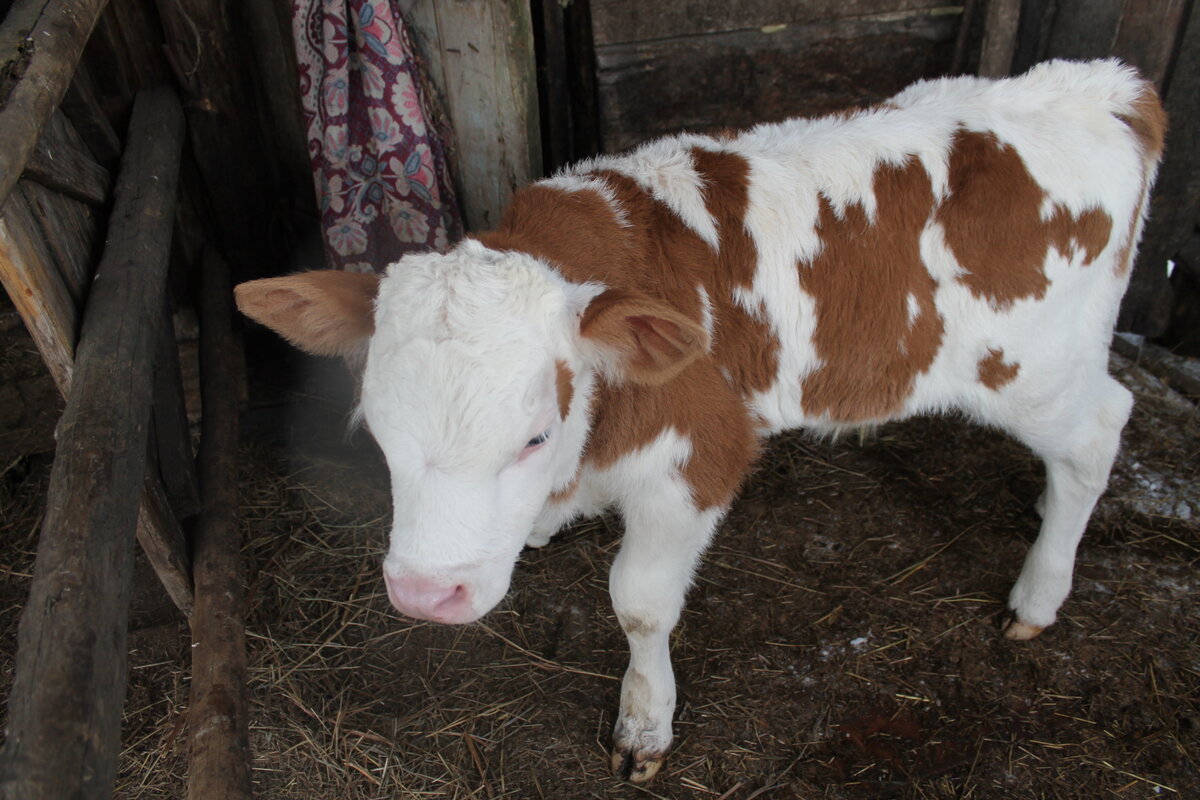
(649, 341)
(326, 312)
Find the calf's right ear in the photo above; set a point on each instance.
(326, 312)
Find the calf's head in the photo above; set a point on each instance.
(477, 369)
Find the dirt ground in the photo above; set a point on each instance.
(841, 640)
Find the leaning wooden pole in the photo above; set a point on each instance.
(64, 711)
(42, 42)
(219, 763)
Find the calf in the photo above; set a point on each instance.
(637, 324)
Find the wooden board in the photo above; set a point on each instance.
(47, 61)
(481, 60)
(1176, 201)
(29, 273)
(218, 719)
(621, 21)
(738, 79)
(61, 161)
(64, 712)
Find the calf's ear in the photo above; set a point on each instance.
(326, 312)
(642, 339)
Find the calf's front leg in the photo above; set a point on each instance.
(664, 537)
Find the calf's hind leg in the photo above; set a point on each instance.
(1078, 441)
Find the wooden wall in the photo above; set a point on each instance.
(713, 64)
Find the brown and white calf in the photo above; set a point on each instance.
(639, 323)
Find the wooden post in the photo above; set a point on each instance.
(46, 59)
(69, 687)
(1175, 205)
(482, 62)
(999, 38)
(203, 49)
(219, 763)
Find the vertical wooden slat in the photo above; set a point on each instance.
(31, 278)
(219, 763)
(482, 62)
(203, 44)
(64, 711)
(999, 38)
(1176, 201)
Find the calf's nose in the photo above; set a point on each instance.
(426, 598)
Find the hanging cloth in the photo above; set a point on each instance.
(380, 168)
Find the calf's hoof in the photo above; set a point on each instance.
(1015, 629)
(629, 765)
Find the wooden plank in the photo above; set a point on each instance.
(69, 685)
(175, 460)
(624, 21)
(1084, 28)
(204, 51)
(738, 79)
(280, 117)
(46, 62)
(31, 278)
(70, 231)
(163, 542)
(1176, 201)
(219, 761)
(1149, 34)
(82, 106)
(999, 38)
(482, 62)
(60, 161)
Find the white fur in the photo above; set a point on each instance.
(460, 372)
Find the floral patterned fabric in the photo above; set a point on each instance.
(379, 167)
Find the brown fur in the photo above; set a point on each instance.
(1148, 122)
(861, 281)
(1089, 232)
(993, 223)
(327, 312)
(994, 372)
(563, 387)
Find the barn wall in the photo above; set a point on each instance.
(709, 65)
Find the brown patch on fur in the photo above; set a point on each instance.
(744, 346)
(861, 282)
(1148, 122)
(1088, 232)
(994, 372)
(992, 222)
(563, 387)
(657, 258)
(326, 312)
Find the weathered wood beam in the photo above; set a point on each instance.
(31, 278)
(82, 105)
(999, 38)
(1146, 308)
(176, 461)
(203, 48)
(163, 542)
(64, 711)
(482, 62)
(219, 762)
(60, 161)
(46, 56)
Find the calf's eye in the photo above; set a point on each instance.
(539, 439)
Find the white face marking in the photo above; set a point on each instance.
(459, 391)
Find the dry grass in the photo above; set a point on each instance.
(840, 642)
